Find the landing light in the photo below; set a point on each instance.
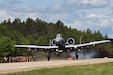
(56, 50)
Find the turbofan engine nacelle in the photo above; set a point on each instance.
(70, 41)
(53, 42)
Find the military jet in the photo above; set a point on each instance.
(59, 45)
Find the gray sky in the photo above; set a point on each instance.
(80, 14)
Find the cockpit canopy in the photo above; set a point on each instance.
(59, 35)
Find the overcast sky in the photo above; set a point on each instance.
(80, 14)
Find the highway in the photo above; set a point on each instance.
(27, 66)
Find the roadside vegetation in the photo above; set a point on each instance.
(39, 32)
(97, 69)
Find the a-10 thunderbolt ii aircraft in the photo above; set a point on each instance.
(59, 45)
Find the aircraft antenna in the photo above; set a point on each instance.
(49, 42)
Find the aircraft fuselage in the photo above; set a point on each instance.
(59, 41)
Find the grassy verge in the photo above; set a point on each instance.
(98, 69)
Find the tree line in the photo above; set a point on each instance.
(39, 32)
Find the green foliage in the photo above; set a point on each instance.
(42, 41)
(6, 46)
(39, 32)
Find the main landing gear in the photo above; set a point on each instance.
(49, 56)
(76, 54)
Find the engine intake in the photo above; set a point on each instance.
(70, 41)
(53, 42)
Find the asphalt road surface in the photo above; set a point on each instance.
(26, 66)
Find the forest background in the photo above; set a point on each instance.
(39, 32)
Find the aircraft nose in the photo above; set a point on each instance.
(57, 40)
(57, 43)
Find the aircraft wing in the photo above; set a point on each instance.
(67, 46)
(36, 47)
(88, 44)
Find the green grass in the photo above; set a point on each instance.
(98, 69)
